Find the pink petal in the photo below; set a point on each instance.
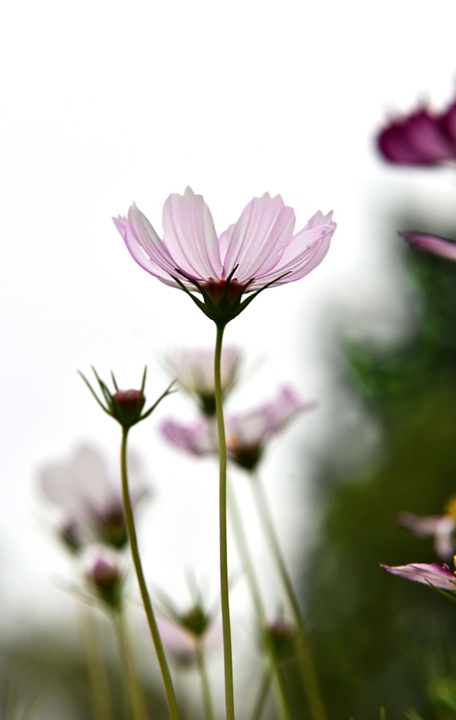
(304, 252)
(433, 574)
(432, 243)
(190, 237)
(145, 246)
(256, 241)
(195, 438)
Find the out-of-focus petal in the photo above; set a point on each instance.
(441, 526)
(432, 243)
(197, 437)
(438, 575)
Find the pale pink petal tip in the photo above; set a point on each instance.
(439, 576)
(432, 243)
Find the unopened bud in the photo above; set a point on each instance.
(105, 577)
(129, 402)
(282, 638)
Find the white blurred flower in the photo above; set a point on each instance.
(88, 501)
(194, 369)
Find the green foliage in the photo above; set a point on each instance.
(375, 636)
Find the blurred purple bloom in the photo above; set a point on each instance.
(247, 433)
(198, 437)
(441, 526)
(432, 243)
(421, 138)
(257, 251)
(88, 501)
(438, 575)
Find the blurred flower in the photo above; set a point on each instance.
(247, 433)
(441, 526)
(88, 501)
(258, 251)
(198, 437)
(421, 138)
(438, 575)
(181, 631)
(432, 243)
(194, 369)
(104, 576)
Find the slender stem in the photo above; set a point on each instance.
(262, 698)
(309, 676)
(98, 682)
(205, 687)
(161, 657)
(280, 695)
(224, 588)
(133, 688)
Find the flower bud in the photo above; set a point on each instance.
(282, 638)
(128, 403)
(104, 575)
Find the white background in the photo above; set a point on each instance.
(108, 103)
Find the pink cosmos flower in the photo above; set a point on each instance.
(438, 575)
(87, 500)
(246, 433)
(258, 251)
(421, 138)
(194, 370)
(432, 243)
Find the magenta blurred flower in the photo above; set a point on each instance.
(438, 575)
(88, 501)
(258, 251)
(432, 243)
(442, 527)
(421, 138)
(194, 369)
(248, 433)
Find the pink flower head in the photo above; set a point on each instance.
(421, 138)
(258, 251)
(88, 502)
(247, 433)
(194, 369)
(433, 244)
(438, 575)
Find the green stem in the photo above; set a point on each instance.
(98, 682)
(309, 676)
(262, 697)
(130, 674)
(205, 687)
(224, 587)
(161, 657)
(280, 695)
